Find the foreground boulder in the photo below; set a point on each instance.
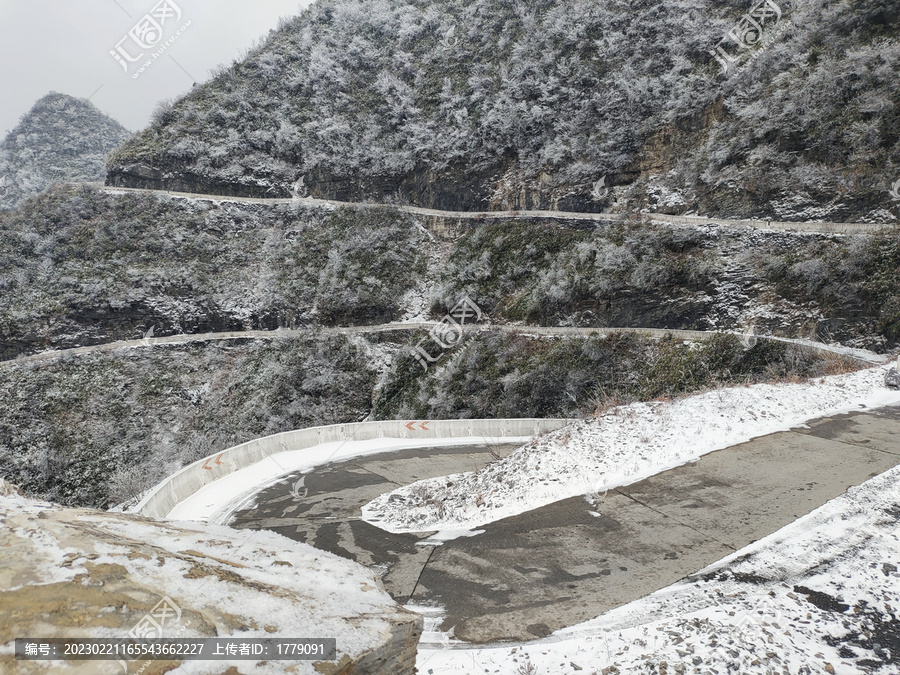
(83, 573)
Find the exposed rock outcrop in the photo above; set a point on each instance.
(892, 379)
(82, 573)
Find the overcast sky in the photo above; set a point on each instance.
(65, 45)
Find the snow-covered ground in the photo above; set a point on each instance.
(621, 446)
(821, 595)
(220, 582)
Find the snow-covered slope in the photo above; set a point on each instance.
(81, 573)
(619, 447)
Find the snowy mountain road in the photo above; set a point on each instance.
(541, 331)
(526, 576)
(824, 227)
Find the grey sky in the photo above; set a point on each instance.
(64, 46)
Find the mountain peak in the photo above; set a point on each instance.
(62, 138)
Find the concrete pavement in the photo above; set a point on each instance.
(529, 575)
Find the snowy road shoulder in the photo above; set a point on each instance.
(821, 595)
(624, 445)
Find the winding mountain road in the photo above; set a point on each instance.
(812, 227)
(525, 576)
(543, 331)
(538, 331)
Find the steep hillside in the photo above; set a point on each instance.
(98, 429)
(60, 139)
(571, 105)
(81, 267)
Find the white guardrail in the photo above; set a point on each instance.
(160, 500)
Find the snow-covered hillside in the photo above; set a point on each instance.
(61, 138)
(621, 446)
(575, 104)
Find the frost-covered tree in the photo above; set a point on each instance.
(489, 103)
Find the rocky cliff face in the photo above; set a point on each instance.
(80, 573)
(60, 139)
(560, 105)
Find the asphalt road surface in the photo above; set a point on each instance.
(529, 575)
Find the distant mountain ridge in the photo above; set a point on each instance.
(61, 138)
(575, 105)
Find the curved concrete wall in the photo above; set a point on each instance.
(161, 499)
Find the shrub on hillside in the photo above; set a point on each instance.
(552, 274)
(96, 430)
(499, 375)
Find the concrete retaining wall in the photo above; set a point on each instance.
(161, 499)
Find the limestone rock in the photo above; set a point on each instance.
(84, 573)
(8, 489)
(892, 379)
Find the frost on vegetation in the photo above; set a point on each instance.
(497, 376)
(87, 267)
(60, 139)
(365, 98)
(99, 429)
(633, 273)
